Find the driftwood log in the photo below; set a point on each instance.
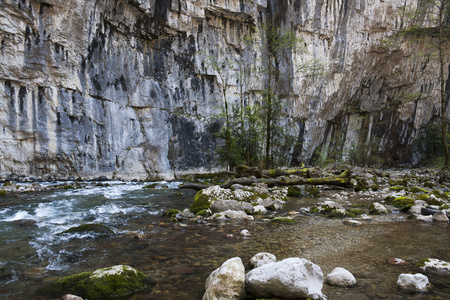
(342, 180)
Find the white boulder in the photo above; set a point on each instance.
(292, 278)
(413, 282)
(245, 232)
(341, 277)
(434, 265)
(226, 282)
(262, 258)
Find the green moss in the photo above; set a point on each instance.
(91, 286)
(7, 183)
(445, 206)
(103, 184)
(421, 263)
(423, 197)
(361, 185)
(295, 191)
(282, 220)
(428, 184)
(375, 187)
(403, 182)
(171, 213)
(204, 213)
(374, 211)
(2, 193)
(201, 202)
(337, 214)
(358, 205)
(403, 202)
(397, 188)
(389, 199)
(178, 194)
(353, 212)
(416, 189)
(433, 201)
(68, 187)
(313, 191)
(439, 194)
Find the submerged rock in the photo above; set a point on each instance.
(413, 282)
(226, 282)
(377, 209)
(115, 281)
(292, 278)
(94, 228)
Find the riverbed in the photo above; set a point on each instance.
(180, 255)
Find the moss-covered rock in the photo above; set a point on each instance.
(423, 197)
(283, 220)
(155, 185)
(204, 198)
(112, 282)
(94, 228)
(433, 201)
(429, 184)
(204, 213)
(2, 193)
(403, 182)
(397, 188)
(171, 213)
(361, 185)
(312, 191)
(440, 194)
(377, 209)
(403, 202)
(416, 189)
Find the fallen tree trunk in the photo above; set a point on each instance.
(342, 180)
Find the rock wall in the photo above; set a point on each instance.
(120, 88)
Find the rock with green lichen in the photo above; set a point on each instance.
(397, 188)
(434, 265)
(403, 202)
(403, 182)
(283, 220)
(361, 185)
(377, 209)
(112, 282)
(439, 194)
(2, 193)
(330, 208)
(171, 213)
(303, 191)
(416, 189)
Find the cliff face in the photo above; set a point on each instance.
(119, 87)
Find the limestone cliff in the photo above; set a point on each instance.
(119, 87)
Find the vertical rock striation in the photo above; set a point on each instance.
(120, 88)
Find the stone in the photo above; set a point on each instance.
(226, 282)
(185, 214)
(435, 266)
(233, 214)
(115, 281)
(427, 211)
(413, 282)
(223, 205)
(377, 209)
(424, 218)
(259, 209)
(291, 278)
(341, 277)
(71, 297)
(440, 216)
(92, 228)
(415, 209)
(245, 233)
(262, 258)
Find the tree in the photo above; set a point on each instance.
(431, 19)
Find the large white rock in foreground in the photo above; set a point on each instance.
(292, 278)
(226, 282)
(413, 282)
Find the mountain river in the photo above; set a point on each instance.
(180, 256)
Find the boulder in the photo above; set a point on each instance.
(226, 282)
(434, 265)
(341, 277)
(413, 282)
(377, 209)
(115, 281)
(185, 214)
(98, 229)
(292, 278)
(440, 216)
(259, 209)
(262, 258)
(204, 198)
(233, 214)
(245, 233)
(223, 205)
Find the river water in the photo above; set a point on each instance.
(180, 256)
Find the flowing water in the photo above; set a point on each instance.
(179, 256)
